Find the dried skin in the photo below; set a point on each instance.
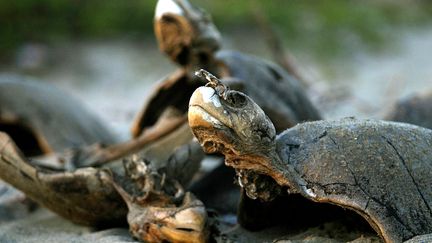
(84, 196)
(163, 130)
(159, 209)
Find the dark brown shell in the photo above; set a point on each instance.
(280, 95)
(54, 119)
(415, 110)
(381, 170)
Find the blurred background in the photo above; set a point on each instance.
(357, 57)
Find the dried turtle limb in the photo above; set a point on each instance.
(43, 119)
(159, 209)
(85, 195)
(170, 122)
(414, 110)
(380, 170)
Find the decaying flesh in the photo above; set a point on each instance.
(159, 209)
(380, 170)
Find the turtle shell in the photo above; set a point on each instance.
(43, 119)
(279, 94)
(381, 170)
(415, 109)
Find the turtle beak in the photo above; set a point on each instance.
(211, 124)
(206, 110)
(189, 222)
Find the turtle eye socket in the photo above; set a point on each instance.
(236, 100)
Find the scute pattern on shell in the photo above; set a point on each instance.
(382, 170)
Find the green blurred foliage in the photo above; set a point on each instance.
(320, 26)
(327, 27)
(53, 20)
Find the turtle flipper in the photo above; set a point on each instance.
(97, 155)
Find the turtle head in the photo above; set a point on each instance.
(170, 223)
(233, 124)
(184, 32)
(159, 209)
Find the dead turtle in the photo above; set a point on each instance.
(194, 46)
(159, 208)
(415, 109)
(85, 193)
(380, 170)
(187, 35)
(43, 119)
